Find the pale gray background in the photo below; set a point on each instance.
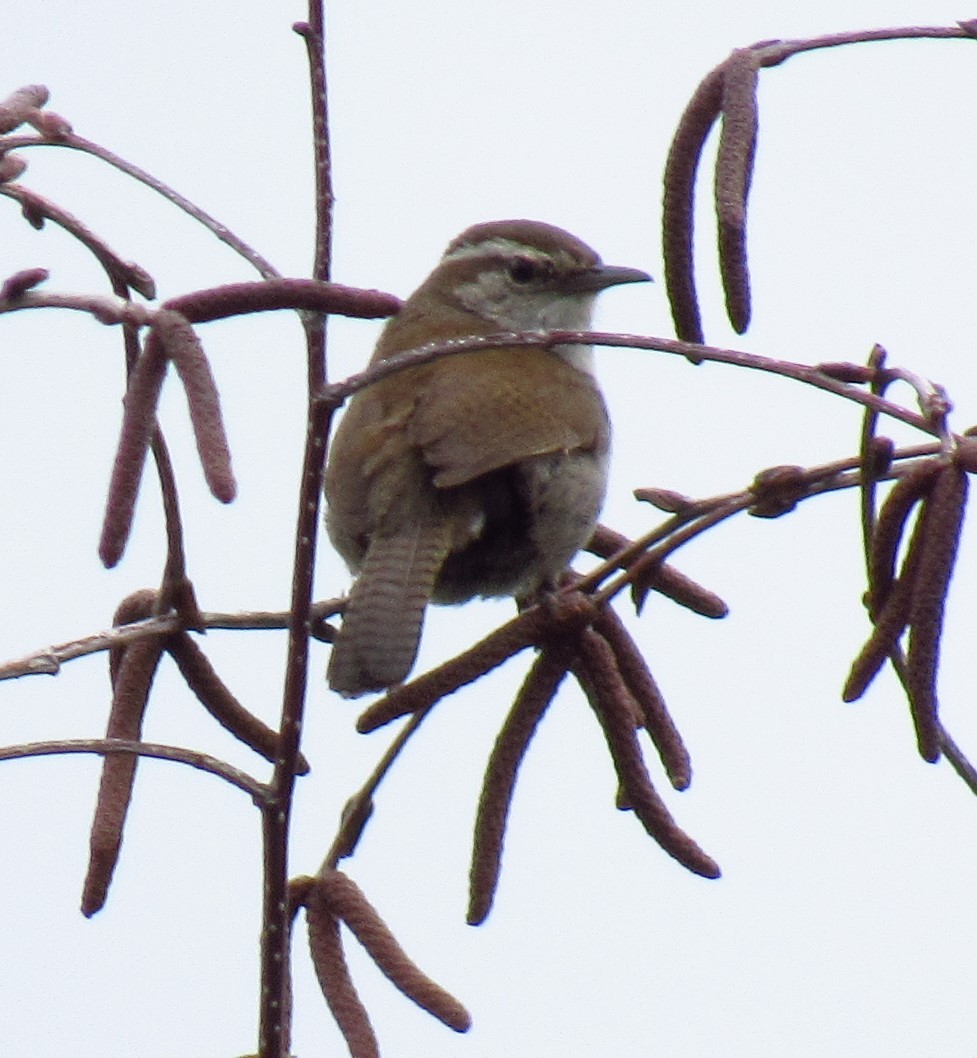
(844, 922)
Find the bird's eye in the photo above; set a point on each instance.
(522, 270)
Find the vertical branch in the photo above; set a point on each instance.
(274, 1026)
(314, 34)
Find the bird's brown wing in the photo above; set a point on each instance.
(376, 476)
(518, 404)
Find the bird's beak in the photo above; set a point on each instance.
(600, 277)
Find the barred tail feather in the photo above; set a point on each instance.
(378, 641)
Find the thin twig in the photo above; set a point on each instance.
(810, 375)
(48, 660)
(37, 208)
(214, 226)
(256, 790)
(274, 1030)
(359, 808)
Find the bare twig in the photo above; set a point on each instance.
(218, 303)
(37, 209)
(810, 375)
(273, 1028)
(48, 661)
(65, 138)
(110, 746)
(359, 808)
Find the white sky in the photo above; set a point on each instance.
(844, 923)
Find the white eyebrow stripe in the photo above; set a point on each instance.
(491, 248)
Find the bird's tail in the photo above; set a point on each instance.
(378, 641)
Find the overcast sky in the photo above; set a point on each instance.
(844, 923)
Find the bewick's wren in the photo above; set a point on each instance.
(477, 474)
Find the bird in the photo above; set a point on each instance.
(478, 474)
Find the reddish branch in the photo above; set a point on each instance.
(37, 209)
